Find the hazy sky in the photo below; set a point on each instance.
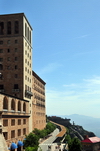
(66, 51)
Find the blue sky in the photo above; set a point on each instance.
(66, 51)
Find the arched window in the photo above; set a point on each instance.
(12, 104)
(24, 107)
(19, 106)
(5, 103)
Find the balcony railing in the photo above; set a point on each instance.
(15, 90)
(1, 90)
(28, 92)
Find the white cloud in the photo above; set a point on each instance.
(50, 68)
(82, 98)
(82, 36)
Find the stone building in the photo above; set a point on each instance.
(38, 102)
(22, 100)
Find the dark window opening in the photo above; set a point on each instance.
(1, 28)
(12, 105)
(19, 132)
(5, 103)
(16, 67)
(24, 107)
(19, 121)
(8, 50)
(1, 76)
(15, 86)
(19, 106)
(13, 134)
(1, 42)
(9, 27)
(16, 58)
(1, 67)
(16, 41)
(1, 86)
(16, 27)
(16, 75)
(1, 50)
(1, 59)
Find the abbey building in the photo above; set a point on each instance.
(22, 91)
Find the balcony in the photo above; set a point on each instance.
(28, 92)
(15, 90)
(1, 90)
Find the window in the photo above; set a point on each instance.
(24, 107)
(15, 86)
(8, 67)
(1, 76)
(19, 132)
(25, 68)
(1, 50)
(24, 131)
(25, 30)
(1, 67)
(25, 60)
(12, 104)
(16, 67)
(16, 58)
(5, 103)
(5, 122)
(1, 59)
(12, 122)
(16, 75)
(1, 42)
(19, 121)
(24, 121)
(16, 27)
(25, 87)
(1, 28)
(1, 86)
(19, 106)
(30, 36)
(16, 41)
(26, 52)
(28, 33)
(8, 59)
(16, 50)
(25, 77)
(9, 27)
(8, 50)
(13, 134)
(8, 42)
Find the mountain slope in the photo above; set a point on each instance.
(89, 123)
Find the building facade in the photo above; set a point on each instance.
(21, 112)
(38, 102)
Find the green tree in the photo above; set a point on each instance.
(31, 149)
(31, 140)
(75, 145)
(68, 139)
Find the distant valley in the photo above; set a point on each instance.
(87, 122)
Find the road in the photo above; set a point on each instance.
(48, 142)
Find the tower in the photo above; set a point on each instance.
(16, 56)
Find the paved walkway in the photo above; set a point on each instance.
(44, 145)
